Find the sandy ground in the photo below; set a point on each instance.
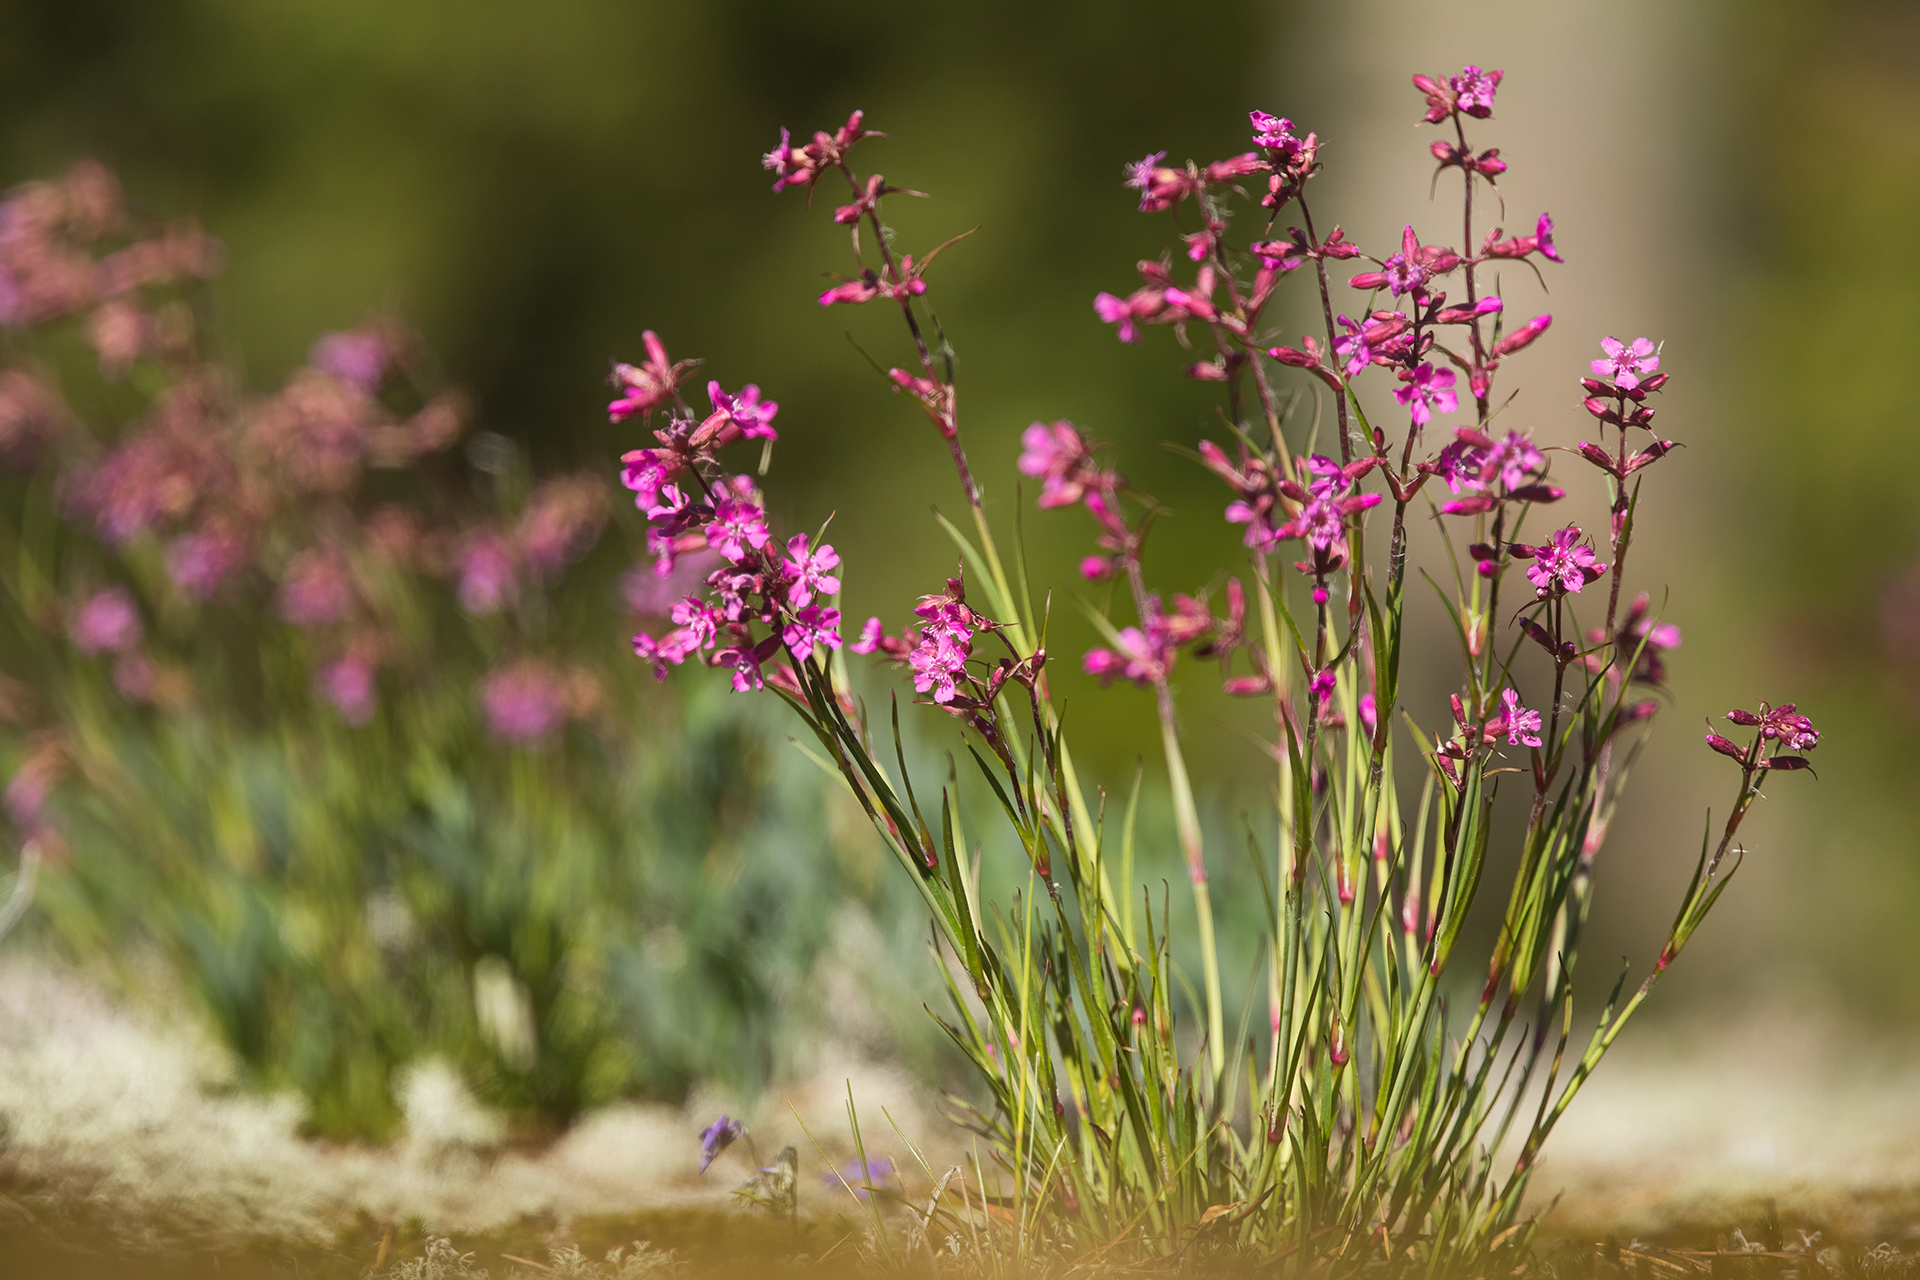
(117, 1108)
(105, 1102)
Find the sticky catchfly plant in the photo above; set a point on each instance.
(1392, 1106)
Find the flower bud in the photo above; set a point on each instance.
(1725, 747)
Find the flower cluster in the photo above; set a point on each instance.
(694, 505)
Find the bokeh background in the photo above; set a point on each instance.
(531, 187)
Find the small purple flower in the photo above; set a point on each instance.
(669, 650)
(811, 626)
(1626, 363)
(1543, 239)
(1141, 656)
(1403, 274)
(1460, 464)
(719, 1135)
(358, 358)
(524, 702)
(646, 472)
(1473, 90)
(1510, 461)
(1273, 132)
(1353, 345)
(1522, 725)
(1330, 480)
(937, 663)
(877, 1170)
(811, 570)
(871, 633)
(347, 683)
(746, 411)
(1561, 565)
(315, 591)
(1117, 311)
(199, 562)
(737, 529)
(699, 622)
(1369, 713)
(487, 578)
(109, 622)
(1322, 684)
(1056, 454)
(1425, 390)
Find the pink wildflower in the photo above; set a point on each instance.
(937, 663)
(109, 622)
(645, 387)
(812, 626)
(1056, 454)
(1561, 565)
(488, 579)
(1426, 389)
(1521, 725)
(200, 561)
(737, 529)
(1626, 363)
(358, 358)
(811, 570)
(347, 684)
(315, 590)
(524, 702)
(1783, 724)
(746, 411)
(1473, 90)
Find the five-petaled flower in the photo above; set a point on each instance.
(811, 570)
(1560, 565)
(1626, 363)
(1425, 390)
(737, 529)
(1521, 725)
(746, 411)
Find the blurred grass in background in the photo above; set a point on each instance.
(530, 191)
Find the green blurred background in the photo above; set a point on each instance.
(531, 187)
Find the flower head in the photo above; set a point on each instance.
(811, 570)
(645, 387)
(719, 1135)
(109, 622)
(810, 627)
(1056, 454)
(1626, 363)
(1473, 90)
(524, 702)
(200, 561)
(359, 358)
(1521, 725)
(1560, 565)
(751, 415)
(737, 529)
(938, 663)
(1426, 389)
(347, 684)
(315, 591)
(488, 581)
(1781, 724)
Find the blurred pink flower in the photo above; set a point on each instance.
(347, 683)
(108, 622)
(524, 702)
(315, 590)
(488, 578)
